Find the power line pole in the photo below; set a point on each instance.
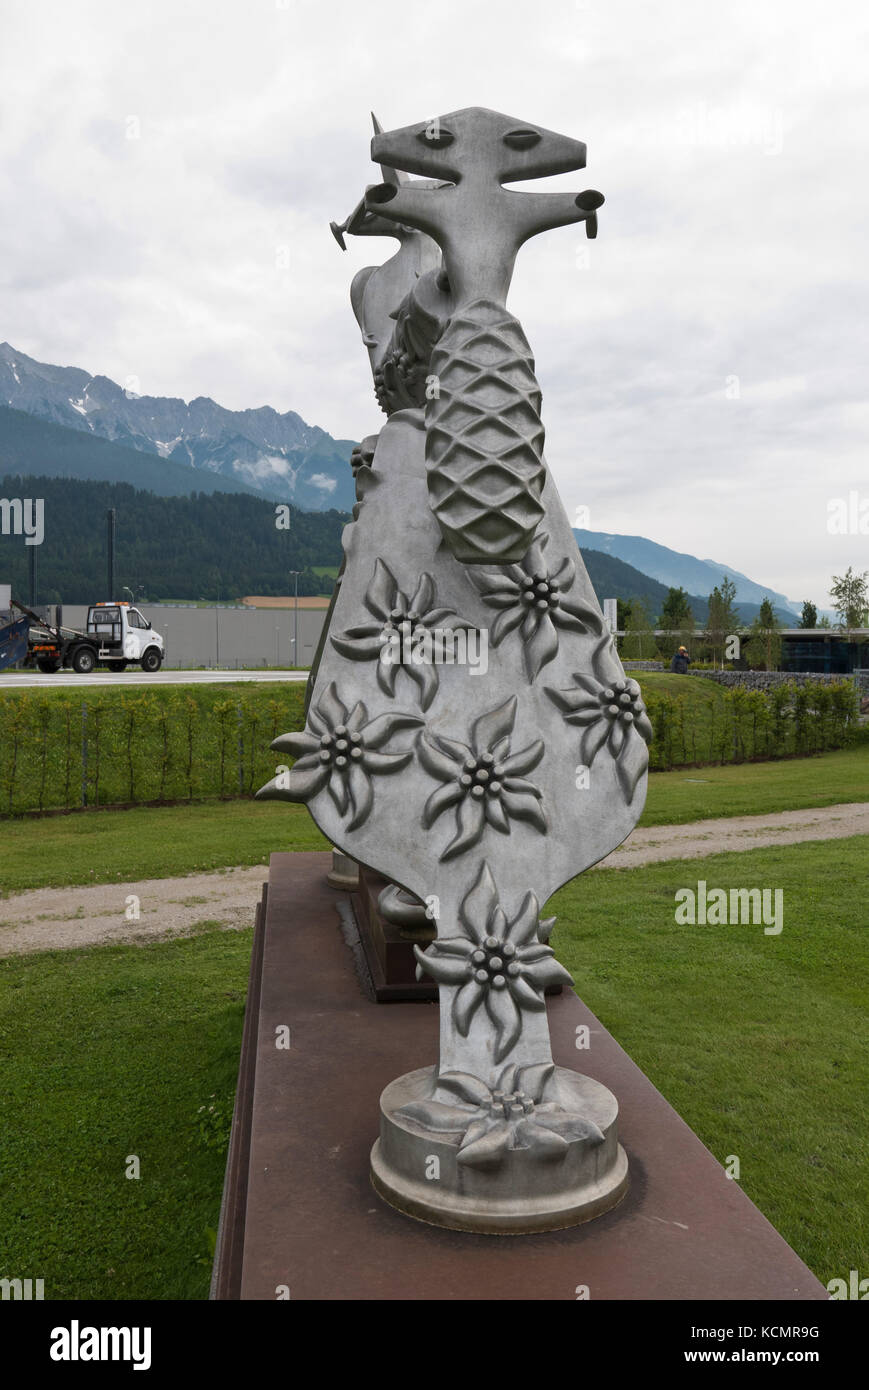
(110, 554)
(34, 581)
(295, 660)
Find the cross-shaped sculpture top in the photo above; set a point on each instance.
(478, 223)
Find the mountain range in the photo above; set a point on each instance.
(278, 456)
(613, 578)
(674, 569)
(32, 446)
(198, 546)
(65, 423)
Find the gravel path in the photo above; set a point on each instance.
(700, 837)
(49, 919)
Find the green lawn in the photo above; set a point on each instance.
(105, 1054)
(755, 789)
(756, 1040)
(158, 842)
(149, 842)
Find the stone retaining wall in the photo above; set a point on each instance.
(765, 680)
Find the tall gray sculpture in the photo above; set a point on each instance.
(479, 787)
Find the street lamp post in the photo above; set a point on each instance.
(295, 574)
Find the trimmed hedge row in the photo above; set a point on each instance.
(64, 750)
(781, 722)
(108, 747)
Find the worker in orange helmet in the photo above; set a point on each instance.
(681, 661)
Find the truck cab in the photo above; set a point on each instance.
(122, 634)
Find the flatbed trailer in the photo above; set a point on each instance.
(13, 641)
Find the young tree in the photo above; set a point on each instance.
(723, 621)
(623, 613)
(809, 617)
(677, 621)
(850, 595)
(639, 643)
(763, 648)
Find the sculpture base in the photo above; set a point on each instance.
(388, 952)
(421, 1173)
(298, 1209)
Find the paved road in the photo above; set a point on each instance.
(19, 680)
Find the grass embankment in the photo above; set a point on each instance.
(755, 1039)
(757, 789)
(160, 842)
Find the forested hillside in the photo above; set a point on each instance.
(167, 547)
(205, 546)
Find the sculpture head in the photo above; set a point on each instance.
(478, 144)
(478, 223)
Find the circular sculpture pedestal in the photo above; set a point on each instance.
(344, 872)
(540, 1152)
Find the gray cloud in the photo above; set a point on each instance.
(168, 174)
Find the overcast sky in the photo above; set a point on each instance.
(168, 171)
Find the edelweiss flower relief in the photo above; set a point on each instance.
(410, 621)
(514, 1114)
(502, 966)
(612, 713)
(482, 779)
(532, 595)
(455, 505)
(339, 752)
